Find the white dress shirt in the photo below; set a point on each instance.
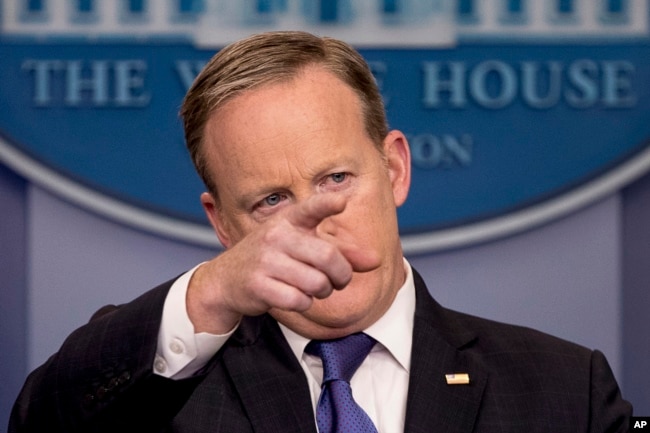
(379, 386)
(181, 352)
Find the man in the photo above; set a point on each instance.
(288, 132)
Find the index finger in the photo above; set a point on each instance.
(312, 211)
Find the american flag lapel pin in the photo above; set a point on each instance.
(457, 379)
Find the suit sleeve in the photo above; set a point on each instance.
(610, 413)
(101, 379)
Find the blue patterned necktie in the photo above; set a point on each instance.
(337, 412)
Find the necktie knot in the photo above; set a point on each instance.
(341, 357)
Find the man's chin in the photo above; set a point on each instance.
(321, 323)
(344, 312)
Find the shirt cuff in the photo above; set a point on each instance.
(180, 352)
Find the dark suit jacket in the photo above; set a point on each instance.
(521, 380)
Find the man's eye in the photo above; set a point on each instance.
(273, 200)
(338, 177)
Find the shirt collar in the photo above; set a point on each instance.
(393, 331)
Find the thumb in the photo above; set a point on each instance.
(361, 260)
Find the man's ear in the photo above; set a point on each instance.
(398, 162)
(213, 212)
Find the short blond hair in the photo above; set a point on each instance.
(269, 58)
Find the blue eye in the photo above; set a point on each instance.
(273, 199)
(338, 177)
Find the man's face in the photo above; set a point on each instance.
(274, 147)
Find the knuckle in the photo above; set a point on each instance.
(266, 259)
(320, 283)
(271, 236)
(330, 253)
(294, 300)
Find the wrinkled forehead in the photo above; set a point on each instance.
(293, 123)
(315, 96)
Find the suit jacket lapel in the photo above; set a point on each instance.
(269, 380)
(438, 349)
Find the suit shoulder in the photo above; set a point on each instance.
(496, 337)
(468, 331)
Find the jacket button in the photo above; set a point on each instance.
(88, 401)
(101, 393)
(124, 378)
